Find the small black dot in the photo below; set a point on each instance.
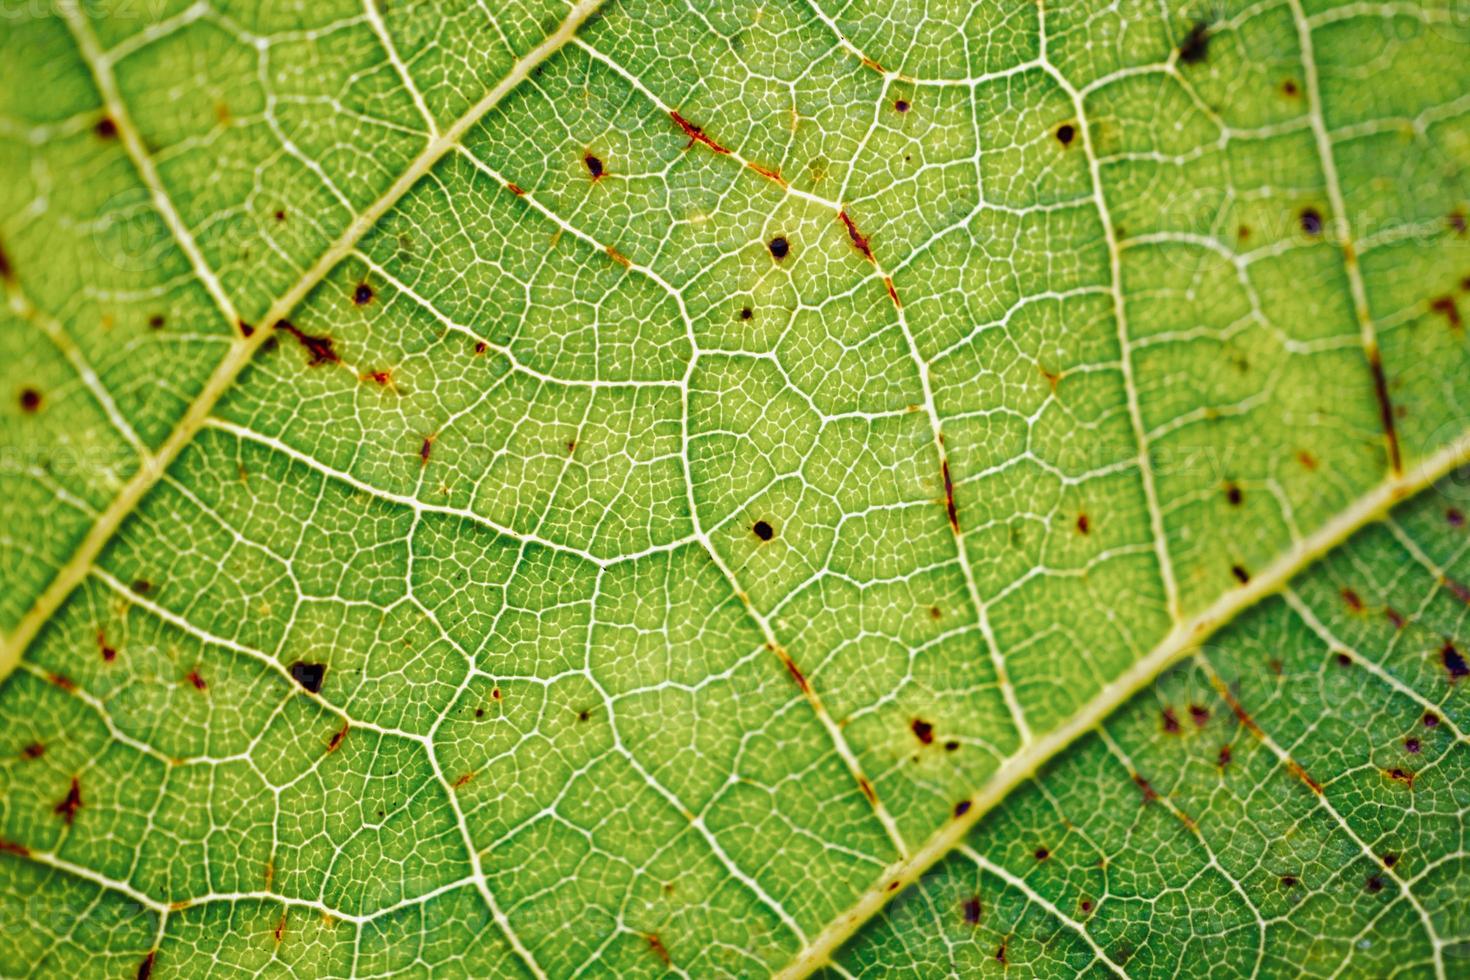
(30, 399)
(1066, 132)
(156, 321)
(780, 247)
(594, 165)
(746, 313)
(105, 129)
(1232, 494)
(764, 531)
(1311, 221)
(363, 294)
(901, 105)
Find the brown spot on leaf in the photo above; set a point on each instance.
(1307, 459)
(195, 679)
(1353, 600)
(30, 400)
(464, 779)
(1454, 661)
(20, 850)
(363, 294)
(961, 808)
(1374, 884)
(1400, 775)
(1289, 89)
(892, 292)
(1041, 854)
(106, 128)
(1146, 788)
(319, 349)
(1431, 720)
(338, 736)
(594, 166)
(949, 504)
(1199, 714)
(145, 969)
(763, 530)
(1310, 220)
(657, 946)
(1411, 745)
(308, 675)
(141, 586)
(972, 910)
(900, 105)
(1445, 306)
(34, 750)
(867, 790)
(1288, 881)
(1241, 575)
(796, 674)
(1233, 494)
(1066, 133)
(426, 447)
(1196, 44)
(1223, 759)
(1455, 517)
(246, 330)
(695, 133)
(1171, 722)
(780, 247)
(923, 730)
(1083, 525)
(71, 803)
(155, 322)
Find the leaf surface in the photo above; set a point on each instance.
(621, 487)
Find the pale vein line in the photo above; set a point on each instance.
(375, 18)
(1284, 757)
(1312, 90)
(1183, 639)
(224, 374)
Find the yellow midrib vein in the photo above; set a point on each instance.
(1183, 639)
(152, 467)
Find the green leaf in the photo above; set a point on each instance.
(617, 487)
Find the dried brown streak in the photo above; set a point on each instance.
(795, 673)
(1458, 590)
(320, 348)
(145, 969)
(1385, 410)
(338, 736)
(1246, 720)
(892, 293)
(695, 134)
(872, 65)
(514, 189)
(618, 257)
(766, 173)
(949, 504)
(657, 946)
(71, 803)
(1446, 307)
(7, 271)
(1149, 793)
(6, 847)
(859, 242)
(868, 790)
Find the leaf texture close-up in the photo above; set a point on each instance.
(550, 488)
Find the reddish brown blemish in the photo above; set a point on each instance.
(363, 294)
(594, 166)
(71, 803)
(796, 674)
(872, 65)
(767, 173)
(1146, 788)
(1223, 759)
(1041, 854)
(1171, 722)
(1199, 714)
(145, 969)
(1455, 517)
(424, 450)
(695, 134)
(515, 189)
(1085, 906)
(196, 680)
(1241, 575)
(1307, 459)
(30, 400)
(857, 238)
(1000, 954)
(142, 586)
(319, 348)
(1296, 770)
(462, 780)
(868, 790)
(155, 322)
(657, 946)
(1456, 221)
(923, 731)
(280, 215)
(1394, 617)
(280, 931)
(1445, 306)
(338, 736)
(6, 847)
(935, 613)
(33, 751)
(1353, 600)
(892, 292)
(1083, 525)
(949, 504)
(495, 694)
(618, 257)
(61, 681)
(1431, 720)
(1289, 89)
(383, 378)
(109, 654)
(972, 910)
(1385, 410)
(7, 271)
(106, 128)
(1458, 590)
(1411, 745)
(246, 330)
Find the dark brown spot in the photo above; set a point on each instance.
(923, 731)
(1307, 459)
(71, 803)
(481, 347)
(33, 751)
(145, 969)
(1241, 575)
(363, 294)
(1455, 517)
(30, 400)
(1389, 860)
(1431, 719)
(1000, 954)
(1411, 744)
(935, 613)
(1394, 617)
(425, 447)
(109, 653)
(1289, 89)
(1085, 906)
(1445, 306)
(961, 808)
(308, 675)
(1288, 881)
(479, 712)
(1401, 776)
(195, 679)
(594, 166)
(8, 847)
(1374, 884)
(1232, 494)
(1454, 661)
(949, 504)
(1353, 600)
(746, 313)
(1146, 788)
(1171, 722)
(7, 271)
(156, 321)
(1343, 660)
(1311, 221)
(1196, 44)
(859, 242)
(280, 215)
(1223, 759)
(106, 128)
(797, 675)
(1199, 714)
(246, 330)
(868, 790)
(583, 715)
(1083, 525)
(763, 530)
(900, 105)
(1066, 133)
(141, 586)
(951, 746)
(495, 694)
(319, 349)
(338, 736)
(972, 910)
(1457, 222)
(1041, 854)
(779, 247)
